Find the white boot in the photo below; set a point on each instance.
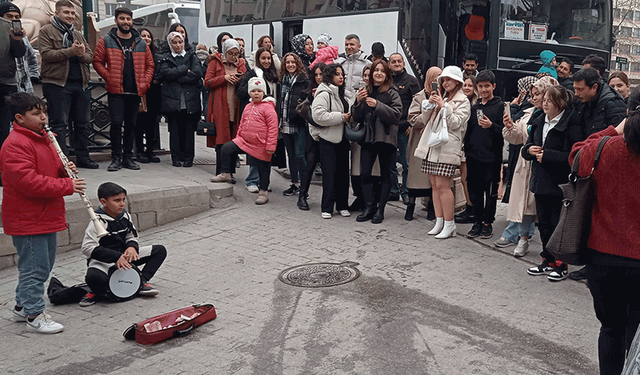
(438, 227)
(449, 230)
(522, 248)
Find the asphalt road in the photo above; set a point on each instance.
(420, 306)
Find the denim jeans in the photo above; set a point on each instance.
(514, 230)
(69, 104)
(36, 256)
(295, 145)
(253, 178)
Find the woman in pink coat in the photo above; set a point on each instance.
(257, 136)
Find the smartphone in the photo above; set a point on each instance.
(479, 114)
(17, 27)
(434, 86)
(507, 109)
(238, 74)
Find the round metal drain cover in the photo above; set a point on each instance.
(317, 275)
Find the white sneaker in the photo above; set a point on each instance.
(449, 230)
(43, 324)
(252, 188)
(326, 215)
(345, 213)
(19, 316)
(522, 248)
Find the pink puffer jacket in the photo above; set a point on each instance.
(258, 130)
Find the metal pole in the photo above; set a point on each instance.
(87, 6)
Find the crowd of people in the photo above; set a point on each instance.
(357, 116)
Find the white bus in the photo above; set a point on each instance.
(506, 35)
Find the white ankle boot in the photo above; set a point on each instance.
(438, 227)
(449, 230)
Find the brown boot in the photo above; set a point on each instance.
(222, 177)
(262, 197)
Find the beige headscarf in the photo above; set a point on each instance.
(432, 76)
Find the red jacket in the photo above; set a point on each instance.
(615, 218)
(218, 108)
(258, 130)
(32, 176)
(108, 61)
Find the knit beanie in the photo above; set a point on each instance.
(256, 83)
(8, 7)
(324, 38)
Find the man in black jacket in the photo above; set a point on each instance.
(407, 86)
(483, 147)
(564, 73)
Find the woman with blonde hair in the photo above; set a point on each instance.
(420, 114)
(443, 160)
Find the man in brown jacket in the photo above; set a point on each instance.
(65, 55)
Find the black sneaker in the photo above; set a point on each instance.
(559, 273)
(147, 290)
(116, 164)
(88, 300)
(127, 162)
(142, 158)
(475, 230)
(487, 231)
(87, 163)
(292, 190)
(580, 274)
(540, 270)
(153, 158)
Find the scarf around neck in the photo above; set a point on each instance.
(66, 30)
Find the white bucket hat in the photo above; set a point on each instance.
(452, 72)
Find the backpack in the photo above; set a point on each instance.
(60, 295)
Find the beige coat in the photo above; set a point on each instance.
(456, 111)
(418, 119)
(521, 200)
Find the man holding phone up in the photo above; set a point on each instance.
(483, 147)
(11, 47)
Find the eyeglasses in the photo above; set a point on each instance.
(233, 54)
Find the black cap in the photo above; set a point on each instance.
(6, 7)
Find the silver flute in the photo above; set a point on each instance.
(100, 230)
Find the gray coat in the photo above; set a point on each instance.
(383, 119)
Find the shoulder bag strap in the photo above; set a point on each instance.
(575, 167)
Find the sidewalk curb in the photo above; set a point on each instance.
(148, 209)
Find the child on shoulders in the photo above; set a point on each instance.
(118, 249)
(325, 53)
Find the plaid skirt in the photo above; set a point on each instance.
(438, 169)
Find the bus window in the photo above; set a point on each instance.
(415, 19)
(189, 18)
(223, 12)
(158, 23)
(579, 22)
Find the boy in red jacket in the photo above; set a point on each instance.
(34, 181)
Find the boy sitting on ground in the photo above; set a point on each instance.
(119, 248)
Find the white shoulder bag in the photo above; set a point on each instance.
(439, 137)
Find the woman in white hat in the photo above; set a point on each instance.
(441, 161)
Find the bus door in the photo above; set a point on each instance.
(289, 30)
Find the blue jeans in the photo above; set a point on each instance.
(403, 142)
(514, 230)
(253, 178)
(295, 145)
(36, 256)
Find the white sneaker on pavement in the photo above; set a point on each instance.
(253, 188)
(522, 248)
(345, 213)
(19, 315)
(43, 324)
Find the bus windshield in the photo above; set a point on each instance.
(584, 23)
(189, 18)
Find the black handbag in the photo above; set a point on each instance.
(354, 132)
(569, 240)
(206, 128)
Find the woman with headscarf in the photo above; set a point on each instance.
(302, 45)
(420, 114)
(223, 74)
(180, 72)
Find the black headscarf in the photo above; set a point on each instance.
(220, 36)
(297, 45)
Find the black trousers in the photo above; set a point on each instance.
(229, 153)
(483, 180)
(312, 154)
(334, 158)
(5, 115)
(145, 132)
(69, 105)
(123, 109)
(182, 141)
(219, 155)
(548, 210)
(98, 281)
(617, 307)
(386, 154)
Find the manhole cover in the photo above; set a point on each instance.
(317, 275)
(204, 162)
